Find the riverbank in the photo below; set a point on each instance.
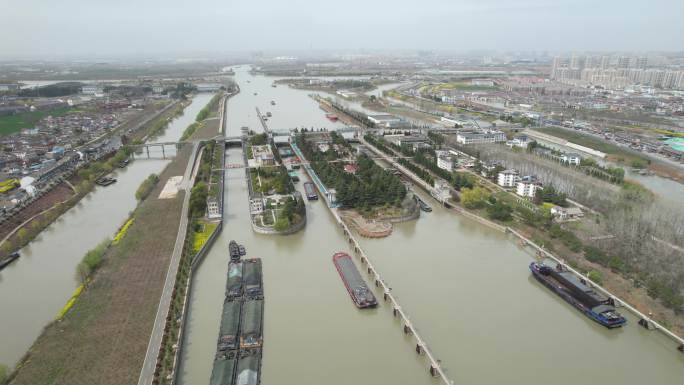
(107, 329)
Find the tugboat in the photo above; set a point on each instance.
(269, 114)
(577, 293)
(234, 251)
(8, 259)
(423, 205)
(242, 250)
(273, 102)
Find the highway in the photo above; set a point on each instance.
(147, 371)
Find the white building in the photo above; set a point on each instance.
(573, 159)
(480, 137)
(91, 89)
(528, 186)
(508, 178)
(444, 160)
(521, 141)
(561, 213)
(256, 206)
(213, 209)
(208, 87)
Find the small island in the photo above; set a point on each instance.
(274, 204)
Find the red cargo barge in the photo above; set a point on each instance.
(356, 286)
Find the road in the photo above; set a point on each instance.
(147, 371)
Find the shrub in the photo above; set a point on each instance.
(595, 276)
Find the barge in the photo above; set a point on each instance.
(240, 339)
(577, 293)
(310, 191)
(234, 281)
(230, 323)
(252, 279)
(248, 368)
(251, 323)
(8, 259)
(223, 371)
(356, 286)
(331, 117)
(105, 181)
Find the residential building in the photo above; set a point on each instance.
(562, 213)
(444, 160)
(521, 141)
(256, 206)
(508, 178)
(213, 209)
(527, 186)
(572, 159)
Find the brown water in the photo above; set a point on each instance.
(35, 287)
(466, 287)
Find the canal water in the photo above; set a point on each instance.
(35, 287)
(465, 286)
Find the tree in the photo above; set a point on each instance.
(499, 211)
(595, 276)
(22, 235)
(474, 198)
(281, 224)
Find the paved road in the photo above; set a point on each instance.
(147, 372)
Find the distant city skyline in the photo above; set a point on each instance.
(40, 28)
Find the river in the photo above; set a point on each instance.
(466, 287)
(35, 287)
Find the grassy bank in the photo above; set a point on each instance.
(107, 329)
(10, 124)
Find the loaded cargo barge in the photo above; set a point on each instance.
(238, 350)
(356, 286)
(576, 292)
(310, 191)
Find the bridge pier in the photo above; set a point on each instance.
(163, 152)
(147, 148)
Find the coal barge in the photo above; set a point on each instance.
(238, 350)
(356, 286)
(576, 292)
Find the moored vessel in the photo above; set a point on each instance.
(576, 292)
(8, 259)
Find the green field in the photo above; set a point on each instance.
(15, 123)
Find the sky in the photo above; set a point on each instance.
(154, 27)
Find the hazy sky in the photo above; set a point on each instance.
(86, 27)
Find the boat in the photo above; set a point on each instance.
(234, 251)
(251, 278)
(310, 191)
(269, 114)
(423, 205)
(274, 85)
(251, 323)
(255, 94)
(273, 102)
(8, 259)
(234, 281)
(124, 163)
(331, 117)
(356, 286)
(105, 181)
(242, 250)
(576, 292)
